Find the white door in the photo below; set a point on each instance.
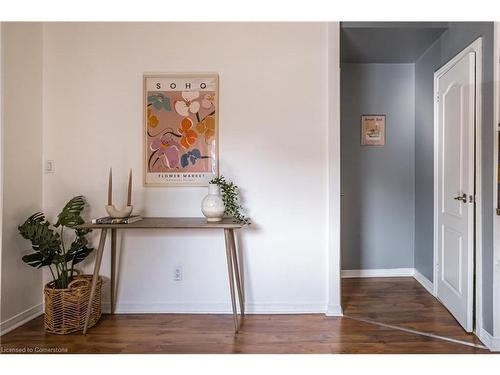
(455, 187)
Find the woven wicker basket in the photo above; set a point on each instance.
(65, 309)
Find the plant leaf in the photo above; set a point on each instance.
(70, 214)
(43, 238)
(78, 250)
(81, 254)
(37, 260)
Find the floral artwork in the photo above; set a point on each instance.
(181, 129)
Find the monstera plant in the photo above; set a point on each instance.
(50, 242)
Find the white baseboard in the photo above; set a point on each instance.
(213, 308)
(389, 272)
(424, 281)
(334, 310)
(20, 319)
(493, 343)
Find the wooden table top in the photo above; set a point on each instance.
(169, 222)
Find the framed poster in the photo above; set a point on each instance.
(372, 130)
(180, 129)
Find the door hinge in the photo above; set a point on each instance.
(472, 199)
(437, 98)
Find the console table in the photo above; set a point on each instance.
(169, 223)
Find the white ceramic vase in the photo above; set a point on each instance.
(212, 205)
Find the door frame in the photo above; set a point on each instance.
(496, 218)
(476, 47)
(334, 300)
(2, 81)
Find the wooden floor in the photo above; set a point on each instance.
(398, 301)
(403, 302)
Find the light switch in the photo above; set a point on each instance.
(50, 166)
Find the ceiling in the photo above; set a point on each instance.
(387, 42)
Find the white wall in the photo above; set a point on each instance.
(21, 291)
(273, 143)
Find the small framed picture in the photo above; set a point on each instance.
(372, 130)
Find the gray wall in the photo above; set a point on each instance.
(458, 36)
(378, 182)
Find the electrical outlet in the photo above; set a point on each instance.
(178, 273)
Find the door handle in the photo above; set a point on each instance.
(462, 198)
